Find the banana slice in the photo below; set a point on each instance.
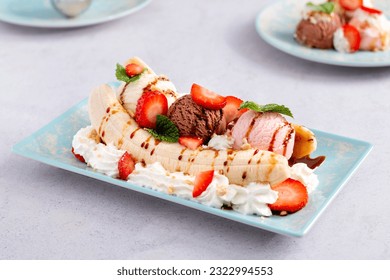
(115, 125)
(305, 142)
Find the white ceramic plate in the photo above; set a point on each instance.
(40, 13)
(276, 24)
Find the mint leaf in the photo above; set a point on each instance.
(165, 130)
(327, 7)
(121, 75)
(281, 109)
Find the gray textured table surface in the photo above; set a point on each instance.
(49, 213)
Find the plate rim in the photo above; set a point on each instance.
(273, 42)
(231, 215)
(4, 17)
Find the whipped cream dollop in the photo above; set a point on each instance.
(155, 177)
(104, 159)
(101, 157)
(221, 142)
(252, 199)
(341, 43)
(305, 175)
(84, 141)
(218, 193)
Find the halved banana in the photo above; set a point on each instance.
(241, 167)
(140, 62)
(129, 93)
(305, 141)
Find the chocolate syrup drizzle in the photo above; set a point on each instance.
(310, 162)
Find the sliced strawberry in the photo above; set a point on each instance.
(292, 196)
(79, 157)
(190, 142)
(126, 165)
(231, 110)
(353, 37)
(371, 10)
(351, 5)
(202, 181)
(149, 105)
(207, 98)
(133, 69)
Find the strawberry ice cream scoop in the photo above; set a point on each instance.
(265, 131)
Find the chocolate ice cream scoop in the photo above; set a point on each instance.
(316, 30)
(193, 120)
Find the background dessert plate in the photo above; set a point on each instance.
(276, 24)
(52, 145)
(40, 13)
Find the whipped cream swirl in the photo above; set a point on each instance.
(102, 158)
(221, 142)
(341, 43)
(305, 175)
(253, 199)
(155, 177)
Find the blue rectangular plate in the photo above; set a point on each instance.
(52, 145)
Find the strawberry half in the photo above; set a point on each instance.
(126, 165)
(351, 5)
(207, 98)
(202, 181)
(190, 142)
(292, 196)
(149, 105)
(371, 10)
(133, 69)
(231, 110)
(79, 157)
(353, 37)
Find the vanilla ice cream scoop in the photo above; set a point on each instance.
(265, 131)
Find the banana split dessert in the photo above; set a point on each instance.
(213, 149)
(344, 25)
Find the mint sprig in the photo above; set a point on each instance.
(327, 7)
(121, 75)
(165, 130)
(281, 109)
